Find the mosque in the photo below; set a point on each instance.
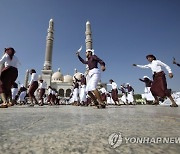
(62, 83)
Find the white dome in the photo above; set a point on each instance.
(68, 78)
(57, 77)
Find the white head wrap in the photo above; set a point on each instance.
(146, 77)
(92, 50)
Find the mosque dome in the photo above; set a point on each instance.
(68, 78)
(57, 76)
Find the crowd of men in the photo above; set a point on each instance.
(85, 90)
(43, 95)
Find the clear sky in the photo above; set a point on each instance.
(123, 32)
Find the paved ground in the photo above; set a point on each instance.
(71, 129)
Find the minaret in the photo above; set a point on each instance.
(47, 69)
(26, 79)
(88, 40)
(88, 34)
(49, 46)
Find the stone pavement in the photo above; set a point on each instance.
(75, 129)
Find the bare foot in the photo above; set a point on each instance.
(174, 105)
(10, 104)
(155, 103)
(4, 105)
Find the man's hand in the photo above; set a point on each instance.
(77, 53)
(170, 75)
(103, 68)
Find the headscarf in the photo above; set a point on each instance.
(10, 51)
(91, 50)
(146, 77)
(152, 56)
(32, 71)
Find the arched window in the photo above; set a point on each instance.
(61, 92)
(68, 92)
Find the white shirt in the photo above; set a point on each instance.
(49, 91)
(114, 85)
(53, 92)
(155, 66)
(42, 85)
(34, 77)
(103, 90)
(8, 62)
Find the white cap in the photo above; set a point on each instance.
(145, 77)
(92, 50)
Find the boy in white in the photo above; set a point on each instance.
(33, 85)
(23, 93)
(42, 89)
(14, 91)
(114, 92)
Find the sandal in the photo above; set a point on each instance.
(10, 104)
(31, 105)
(3, 106)
(101, 106)
(174, 105)
(155, 103)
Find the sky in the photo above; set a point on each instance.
(123, 33)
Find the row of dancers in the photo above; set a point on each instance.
(79, 96)
(20, 96)
(9, 74)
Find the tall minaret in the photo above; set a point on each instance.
(47, 69)
(49, 46)
(88, 34)
(88, 40)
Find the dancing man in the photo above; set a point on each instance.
(130, 93)
(147, 92)
(8, 76)
(49, 95)
(124, 94)
(14, 92)
(94, 75)
(22, 95)
(114, 92)
(82, 90)
(42, 90)
(103, 93)
(159, 84)
(33, 86)
(75, 92)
